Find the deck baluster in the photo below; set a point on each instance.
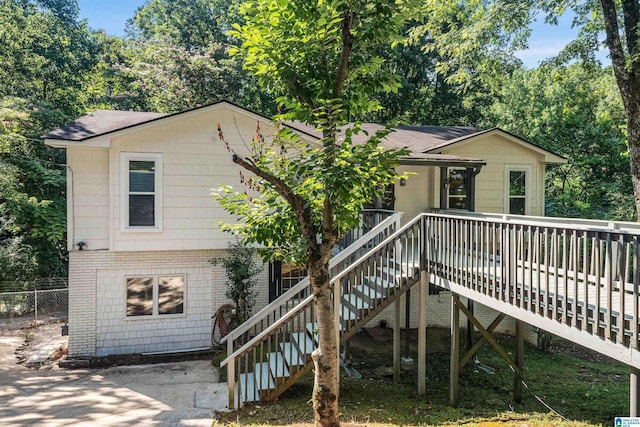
(565, 275)
(575, 253)
(553, 265)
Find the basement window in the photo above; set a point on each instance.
(151, 296)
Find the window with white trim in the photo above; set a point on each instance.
(149, 296)
(141, 186)
(517, 189)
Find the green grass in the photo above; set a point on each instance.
(585, 392)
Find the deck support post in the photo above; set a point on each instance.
(455, 349)
(634, 396)
(517, 381)
(407, 323)
(231, 379)
(337, 304)
(396, 341)
(470, 328)
(422, 332)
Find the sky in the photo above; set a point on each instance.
(545, 41)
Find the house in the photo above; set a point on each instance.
(141, 219)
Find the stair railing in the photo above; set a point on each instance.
(379, 277)
(369, 219)
(395, 258)
(248, 368)
(292, 297)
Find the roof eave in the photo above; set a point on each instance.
(443, 163)
(87, 142)
(105, 136)
(549, 156)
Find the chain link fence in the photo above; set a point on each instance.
(30, 303)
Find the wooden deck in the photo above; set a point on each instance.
(577, 279)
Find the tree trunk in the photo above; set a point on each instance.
(633, 136)
(242, 308)
(626, 68)
(325, 357)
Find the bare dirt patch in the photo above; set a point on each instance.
(371, 348)
(47, 338)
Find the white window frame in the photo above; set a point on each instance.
(155, 295)
(125, 160)
(527, 169)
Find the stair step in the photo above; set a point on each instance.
(410, 266)
(247, 385)
(277, 365)
(368, 294)
(355, 302)
(264, 380)
(393, 274)
(382, 286)
(347, 314)
(304, 342)
(311, 327)
(291, 354)
(379, 282)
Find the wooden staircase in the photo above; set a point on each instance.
(287, 354)
(266, 364)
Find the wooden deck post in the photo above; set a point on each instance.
(407, 323)
(470, 328)
(422, 332)
(337, 304)
(517, 381)
(455, 349)
(634, 397)
(396, 341)
(231, 379)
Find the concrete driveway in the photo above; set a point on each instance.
(169, 394)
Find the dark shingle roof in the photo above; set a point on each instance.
(418, 139)
(99, 123)
(424, 142)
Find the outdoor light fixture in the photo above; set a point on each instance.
(81, 245)
(403, 182)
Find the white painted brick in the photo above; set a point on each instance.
(97, 321)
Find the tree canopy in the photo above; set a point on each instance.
(320, 60)
(46, 53)
(573, 111)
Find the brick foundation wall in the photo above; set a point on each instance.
(98, 325)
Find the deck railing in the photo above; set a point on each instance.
(276, 309)
(581, 274)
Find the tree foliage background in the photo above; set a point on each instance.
(459, 69)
